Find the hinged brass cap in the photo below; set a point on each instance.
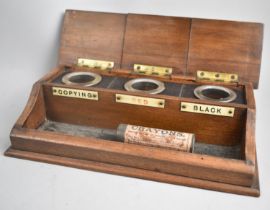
(217, 76)
(103, 65)
(152, 70)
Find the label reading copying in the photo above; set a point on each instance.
(75, 93)
(207, 109)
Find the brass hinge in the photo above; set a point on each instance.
(103, 65)
(152, 70)
(217, 76)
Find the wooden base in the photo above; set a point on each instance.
(138, 173)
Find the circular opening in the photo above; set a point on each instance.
(215, 93)
(81, 78)
(145, 86)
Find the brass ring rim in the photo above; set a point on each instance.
(97, 79)
(198, 92)
(160, 85)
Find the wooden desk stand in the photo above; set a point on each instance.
(180, 52)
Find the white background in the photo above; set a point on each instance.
(29, 40)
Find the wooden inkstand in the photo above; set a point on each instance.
(165, 73)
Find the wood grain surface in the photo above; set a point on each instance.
(187, 45)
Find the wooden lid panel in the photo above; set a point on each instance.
(184, 44)
(156, 40)
(226, 46)
(92, 35)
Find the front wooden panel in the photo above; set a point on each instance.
(226, 46)
(156, 40)
(107, 113)
(135, 156)
(92, 35)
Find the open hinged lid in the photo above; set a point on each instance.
(184, 44)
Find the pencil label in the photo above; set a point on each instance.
(75, 93)
(207, 109)
(159, 138)
(141, 101)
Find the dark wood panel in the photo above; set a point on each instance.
(156, 40)
(107, 113)
(38, 112)
(226, 46)
(137, 156)
(138, 173)
(185, 44)
(92, 35)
